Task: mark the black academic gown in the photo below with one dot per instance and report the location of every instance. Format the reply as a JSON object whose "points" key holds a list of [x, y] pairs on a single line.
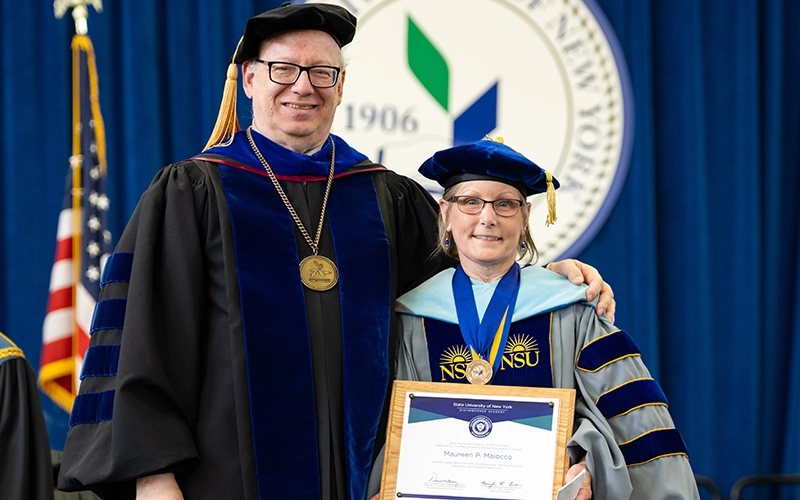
{"points": [[26, 471], [211, 361]]}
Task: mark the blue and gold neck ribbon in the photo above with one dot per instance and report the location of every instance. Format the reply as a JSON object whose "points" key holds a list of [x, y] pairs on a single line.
{"points": [[486, 338]]}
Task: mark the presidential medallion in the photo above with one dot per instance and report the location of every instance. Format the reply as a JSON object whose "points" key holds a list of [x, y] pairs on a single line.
{"points": [[318, 273], [479, 371]]}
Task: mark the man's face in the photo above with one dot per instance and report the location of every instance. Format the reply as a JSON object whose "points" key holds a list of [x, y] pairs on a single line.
{"points": [[297, 116]]}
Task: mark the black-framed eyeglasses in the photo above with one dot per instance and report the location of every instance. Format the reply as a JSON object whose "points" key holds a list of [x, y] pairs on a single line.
{"points": [[286, 73], [472, 205]]}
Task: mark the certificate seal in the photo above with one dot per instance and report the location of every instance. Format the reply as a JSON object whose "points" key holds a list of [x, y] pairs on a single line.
{"points": [[480, 426]]}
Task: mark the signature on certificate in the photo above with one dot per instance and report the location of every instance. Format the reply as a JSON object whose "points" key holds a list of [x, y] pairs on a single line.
{"points": [[443, 484], [434, 479], [501, 485]]}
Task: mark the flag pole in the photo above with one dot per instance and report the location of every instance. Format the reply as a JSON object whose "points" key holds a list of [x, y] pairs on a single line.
{"points": [[81, 44]]}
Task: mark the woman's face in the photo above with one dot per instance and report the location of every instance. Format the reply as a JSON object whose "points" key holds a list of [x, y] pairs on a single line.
{"points": [[487, 242]]}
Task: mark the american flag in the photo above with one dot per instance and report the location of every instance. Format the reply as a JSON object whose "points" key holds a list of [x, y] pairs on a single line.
{"points": [[83, 242]]}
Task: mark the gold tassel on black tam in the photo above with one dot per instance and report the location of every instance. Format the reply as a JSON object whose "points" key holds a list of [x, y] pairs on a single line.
{"points": [[227, 120]]}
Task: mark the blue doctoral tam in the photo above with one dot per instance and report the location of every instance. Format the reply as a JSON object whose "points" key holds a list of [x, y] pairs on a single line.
{"points": [[486, 160]]}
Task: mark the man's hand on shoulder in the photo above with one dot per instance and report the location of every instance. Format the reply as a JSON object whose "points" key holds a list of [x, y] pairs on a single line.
{"points": [[578, 272]]}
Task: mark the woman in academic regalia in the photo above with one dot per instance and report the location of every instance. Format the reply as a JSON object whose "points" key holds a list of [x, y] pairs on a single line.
{"points": [[492, 321]]}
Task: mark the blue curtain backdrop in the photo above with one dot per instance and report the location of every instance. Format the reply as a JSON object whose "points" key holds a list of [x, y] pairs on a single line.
{"points": [[702, 247]]}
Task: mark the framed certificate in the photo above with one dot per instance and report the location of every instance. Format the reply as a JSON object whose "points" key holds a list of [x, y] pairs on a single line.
{"points": [[478, 442]]}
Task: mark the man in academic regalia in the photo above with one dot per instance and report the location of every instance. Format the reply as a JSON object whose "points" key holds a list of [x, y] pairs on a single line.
{"points": [[243, 346]]}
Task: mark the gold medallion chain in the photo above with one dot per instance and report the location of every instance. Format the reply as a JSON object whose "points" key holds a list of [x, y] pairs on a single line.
{"points": [[314, 244]]}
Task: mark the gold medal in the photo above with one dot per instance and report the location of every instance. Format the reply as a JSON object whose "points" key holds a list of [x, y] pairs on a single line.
{"points": [[479, 371], [318, 273]]}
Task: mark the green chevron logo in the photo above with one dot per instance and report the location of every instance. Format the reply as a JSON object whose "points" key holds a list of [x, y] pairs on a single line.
{"points": [[430, 68]]}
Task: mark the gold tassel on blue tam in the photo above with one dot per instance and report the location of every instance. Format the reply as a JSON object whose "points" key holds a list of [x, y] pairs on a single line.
{"points": [[551, 200]]}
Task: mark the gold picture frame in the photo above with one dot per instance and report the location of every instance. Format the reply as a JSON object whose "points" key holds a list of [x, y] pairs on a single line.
{"points": [[403, 391]]}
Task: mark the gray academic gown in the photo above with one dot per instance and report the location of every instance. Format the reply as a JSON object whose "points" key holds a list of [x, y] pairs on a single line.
{"points": [[588, 354]]}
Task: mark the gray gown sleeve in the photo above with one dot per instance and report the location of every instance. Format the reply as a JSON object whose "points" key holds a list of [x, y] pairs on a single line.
{"points": [[578, 332]]}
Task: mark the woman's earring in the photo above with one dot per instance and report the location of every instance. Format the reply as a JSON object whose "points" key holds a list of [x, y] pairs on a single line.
{"points": [[446, 243], [522, 247]]}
